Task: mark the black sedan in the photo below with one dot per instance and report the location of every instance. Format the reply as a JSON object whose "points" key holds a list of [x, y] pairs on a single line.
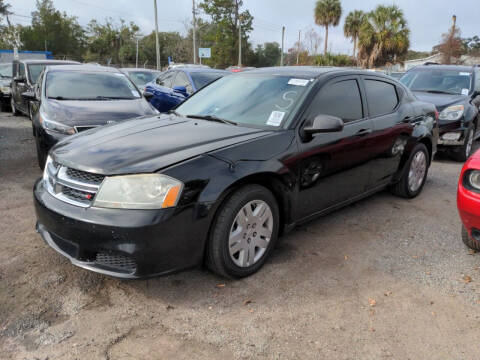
{"points": [[72, 99], [239, 163]]}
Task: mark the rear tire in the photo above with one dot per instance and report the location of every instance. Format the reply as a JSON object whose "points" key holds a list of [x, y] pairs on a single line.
{"points": [[469, 241], [461, 153], [405, 187], [248, 221]]}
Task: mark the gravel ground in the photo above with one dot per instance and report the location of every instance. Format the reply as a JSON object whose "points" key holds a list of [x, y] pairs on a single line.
{"points": [[381, 279]]}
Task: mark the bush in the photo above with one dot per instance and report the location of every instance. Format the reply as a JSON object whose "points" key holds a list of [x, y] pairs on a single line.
{"points": [[334, 60]]}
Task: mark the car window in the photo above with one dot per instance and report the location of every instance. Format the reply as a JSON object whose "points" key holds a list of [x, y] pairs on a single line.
{"points": [[381, 97], [5, 70], [21, 69], [202, 79], [167, 79], [140, 78], [34, 71], [341, 99], [182, 80], [477, 80], [449, 81]]}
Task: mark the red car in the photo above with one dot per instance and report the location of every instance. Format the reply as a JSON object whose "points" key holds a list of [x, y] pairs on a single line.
{"points": [[468, 201]]}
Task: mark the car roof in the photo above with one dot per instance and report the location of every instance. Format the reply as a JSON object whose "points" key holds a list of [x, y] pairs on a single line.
{"points": [[45, 61], [444, 67], [139, 69], [312, 71], [198, 69], [84, 68]]}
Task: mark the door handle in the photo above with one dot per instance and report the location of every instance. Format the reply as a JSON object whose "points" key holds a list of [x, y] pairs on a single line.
{"points": [[363, 132]]}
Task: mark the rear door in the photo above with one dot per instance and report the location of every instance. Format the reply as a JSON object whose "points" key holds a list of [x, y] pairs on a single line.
{"points": [[164, 98], [335, 167], [392, 121]]}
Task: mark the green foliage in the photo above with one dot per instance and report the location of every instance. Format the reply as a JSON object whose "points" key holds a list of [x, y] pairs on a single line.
{"points": [[351, 28], [412, 54], [268, 54], [327, 12], [54, 30], [172, 44], [223, 37], [334, 60], [383, 37]]}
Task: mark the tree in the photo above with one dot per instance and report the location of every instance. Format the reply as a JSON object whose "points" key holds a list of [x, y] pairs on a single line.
{"points": [[351, 28], [327, 12], [266, 55], [172, 45], [472, 45], [4, 9], [226, 16], [384, 37], [54, 31], [312, 41], [451, 46]]}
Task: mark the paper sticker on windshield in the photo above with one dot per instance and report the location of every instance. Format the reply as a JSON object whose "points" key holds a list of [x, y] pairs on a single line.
{"points": [[464, 91], [275, 118], [464, 74], [298, 82]]}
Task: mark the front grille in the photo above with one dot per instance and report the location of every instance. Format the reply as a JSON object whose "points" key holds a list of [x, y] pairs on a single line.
{"points": [[119, 262], [83, 176], [71, 185]]}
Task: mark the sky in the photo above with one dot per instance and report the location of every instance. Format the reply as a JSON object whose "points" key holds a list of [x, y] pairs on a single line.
{"points": [[427, 19]]}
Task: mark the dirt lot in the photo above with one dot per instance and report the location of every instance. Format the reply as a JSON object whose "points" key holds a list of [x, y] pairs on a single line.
{"points": [[385, 278]]}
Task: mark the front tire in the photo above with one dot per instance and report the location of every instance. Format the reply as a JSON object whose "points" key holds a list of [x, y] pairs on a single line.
{"points": [[244, 232], [470, 241], [413, 179], [41, 154], [15, 112], [462, 153]]}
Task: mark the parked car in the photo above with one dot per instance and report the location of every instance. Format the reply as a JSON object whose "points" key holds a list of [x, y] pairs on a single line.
{"points": [[174, 86], [76, 98], [236, 69], [181, 65], [5, 80], [229, 170], [25, 74], [141, 76], [396, 75], [455, 90], [468, 201]]}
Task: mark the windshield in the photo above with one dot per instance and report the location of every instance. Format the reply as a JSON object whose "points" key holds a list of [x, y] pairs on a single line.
{"points": [[140, 78], [438, 80], [6, 70], [248, 99], [77, 85], [202, 79], [34, 72]]}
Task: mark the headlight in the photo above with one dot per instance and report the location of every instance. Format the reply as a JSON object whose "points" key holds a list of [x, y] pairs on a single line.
{"points": [[5, 89], [452, 113], [474, 179], [55, 126], [147, 191]]}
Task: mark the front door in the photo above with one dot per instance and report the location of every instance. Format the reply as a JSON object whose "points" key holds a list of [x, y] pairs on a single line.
{"points": [[334, 168]]}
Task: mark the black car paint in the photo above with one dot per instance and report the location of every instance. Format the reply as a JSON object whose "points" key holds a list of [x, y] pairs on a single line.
{"points": [[22, 84], [308, 176], [81, 113]]}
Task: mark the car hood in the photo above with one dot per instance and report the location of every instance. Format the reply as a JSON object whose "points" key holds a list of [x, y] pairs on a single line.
{"points": [[96, 112], [148, 144], [441, 101]]}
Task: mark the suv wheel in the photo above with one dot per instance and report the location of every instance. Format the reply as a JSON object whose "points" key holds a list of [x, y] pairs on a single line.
{"points": [[30, 112], [15, 112], [413, 179], [41, 154], [244, 232], [462, 153]]}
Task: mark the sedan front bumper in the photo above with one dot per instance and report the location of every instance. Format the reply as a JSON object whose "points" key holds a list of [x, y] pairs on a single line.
{"points": [[119, 242]]}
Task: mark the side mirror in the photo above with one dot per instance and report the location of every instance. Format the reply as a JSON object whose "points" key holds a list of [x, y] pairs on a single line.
{"points": [[29, 96], [148, 95], [19, 79], [180, 89], [324, 124]]}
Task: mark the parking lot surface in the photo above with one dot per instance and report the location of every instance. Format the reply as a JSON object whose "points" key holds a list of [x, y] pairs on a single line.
{"points": [[385, 278]]}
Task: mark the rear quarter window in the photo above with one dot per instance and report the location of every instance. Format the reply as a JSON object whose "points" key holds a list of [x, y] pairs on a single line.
{"points": [[382, 97]]}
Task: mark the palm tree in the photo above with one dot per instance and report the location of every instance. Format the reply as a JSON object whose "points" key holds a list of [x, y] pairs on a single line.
{"points": [[351, 28], [383, 37], [327, 12]]}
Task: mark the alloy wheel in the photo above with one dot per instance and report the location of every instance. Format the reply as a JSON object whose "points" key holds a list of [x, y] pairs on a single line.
{"points": [[250, 233], [416, 174]]}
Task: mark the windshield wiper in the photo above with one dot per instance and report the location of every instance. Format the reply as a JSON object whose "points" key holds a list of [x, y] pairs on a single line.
{"points": [[100, 97], [174, 112], [438, 92], [212, 118]]}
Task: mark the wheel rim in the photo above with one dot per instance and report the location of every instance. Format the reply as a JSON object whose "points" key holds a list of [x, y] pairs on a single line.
{"points": [[469, 143], [418, 168], [30, 112], [250, 233]]}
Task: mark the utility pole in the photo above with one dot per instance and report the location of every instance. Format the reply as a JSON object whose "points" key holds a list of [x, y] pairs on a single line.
{"points": [[298, 50], [194, 32], [239, 42], [283, 41], [136, 57], [157, 44]]}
